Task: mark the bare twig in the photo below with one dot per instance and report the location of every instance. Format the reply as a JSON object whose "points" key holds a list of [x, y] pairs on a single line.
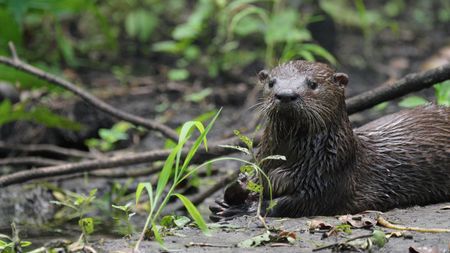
{"points": [[135, 172], [342, 243], [410, 83], [89, 98], [382, 222], [72, 168], [30, 160], [46, 148]]}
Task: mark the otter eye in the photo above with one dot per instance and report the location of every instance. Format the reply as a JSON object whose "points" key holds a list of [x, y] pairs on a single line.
{"points": [[311, 84], [272, 83]]}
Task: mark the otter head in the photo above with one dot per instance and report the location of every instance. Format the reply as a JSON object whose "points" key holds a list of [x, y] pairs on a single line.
{"points": [[303, 95]]}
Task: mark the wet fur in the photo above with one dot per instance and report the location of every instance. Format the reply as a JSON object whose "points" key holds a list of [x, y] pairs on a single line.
{"points": [[398, 160]]}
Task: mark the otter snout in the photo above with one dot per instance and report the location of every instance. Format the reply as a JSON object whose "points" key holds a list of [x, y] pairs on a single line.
{"points": [[286, 95]]}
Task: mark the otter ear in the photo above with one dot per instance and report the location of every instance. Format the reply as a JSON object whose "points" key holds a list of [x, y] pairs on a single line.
{"points": [[341, 79], [263, 75]]}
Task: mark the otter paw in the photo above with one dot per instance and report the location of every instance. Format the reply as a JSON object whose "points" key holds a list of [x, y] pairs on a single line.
{"points": [[221, 211]]}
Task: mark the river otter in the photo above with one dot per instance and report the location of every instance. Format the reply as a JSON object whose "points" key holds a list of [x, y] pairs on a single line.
{"points": [[398, 160]]}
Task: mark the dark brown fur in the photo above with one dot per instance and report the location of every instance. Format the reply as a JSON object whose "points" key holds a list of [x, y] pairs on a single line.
{"points": [[398, 160]]}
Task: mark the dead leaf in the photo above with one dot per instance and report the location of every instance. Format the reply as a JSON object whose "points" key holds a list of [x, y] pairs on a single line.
{"points": [[358, 221], [288, 236], [318, 225]]}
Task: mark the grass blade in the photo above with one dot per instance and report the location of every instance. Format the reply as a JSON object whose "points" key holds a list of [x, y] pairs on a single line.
{"points": [[199, 140], [195, 214], [166, 172], [140, 188]]}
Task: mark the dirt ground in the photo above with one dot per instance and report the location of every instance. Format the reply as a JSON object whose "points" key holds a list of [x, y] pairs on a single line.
{"points": [[227, 238]]}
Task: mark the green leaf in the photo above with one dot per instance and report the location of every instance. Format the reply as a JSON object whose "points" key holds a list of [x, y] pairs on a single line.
{"points": [[166, 172], [140, 188], [378, 238], [320, 51], [412, 101], [181, 221], [87, 225], [178, 74], [199, 140], [192, 28], [92, 193], [140, 24], [255, 241], [247, 141], [250, 10], [64, 204], [25, 243], [442, 93], [254, 187], [5, 237], [346, 228], [274, 157], [184, 132], [247, 168], [281, 26], [242, 149], [381, 106], [197, 97], [195, 214], [157, 235], [167, 221], [169, 46]]}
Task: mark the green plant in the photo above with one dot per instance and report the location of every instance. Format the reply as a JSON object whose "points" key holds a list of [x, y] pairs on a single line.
{"points": [[51, 18], [283, 29], [175, 170], [254, 171], [80, 203], [233, 31], [12, 244], [42, 115], [441, 93], [122, 218], [109, 137], [354, 13]]}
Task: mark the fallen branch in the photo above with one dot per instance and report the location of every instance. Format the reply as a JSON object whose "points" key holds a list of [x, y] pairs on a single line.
{"points": [[335, 245], [410, 83], [72, 168], [29, 160], [47, 148], [121, 173], [89, 98], [384, 223]]}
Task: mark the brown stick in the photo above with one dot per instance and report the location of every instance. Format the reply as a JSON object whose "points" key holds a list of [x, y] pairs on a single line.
{"points": [[89, 98], [382, 222], [410, 83], [72, 168], [47, 148], [30, 160], [135, 172]]}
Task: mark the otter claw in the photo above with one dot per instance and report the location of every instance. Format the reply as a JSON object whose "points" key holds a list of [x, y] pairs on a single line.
{"points": [[222, 203]]}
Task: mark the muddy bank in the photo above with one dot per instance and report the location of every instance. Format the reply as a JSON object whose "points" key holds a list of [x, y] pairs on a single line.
{"points": [[232, 233]]}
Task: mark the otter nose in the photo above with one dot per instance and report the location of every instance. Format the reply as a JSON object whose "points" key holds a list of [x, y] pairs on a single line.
{"points": [[286, 96]]}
